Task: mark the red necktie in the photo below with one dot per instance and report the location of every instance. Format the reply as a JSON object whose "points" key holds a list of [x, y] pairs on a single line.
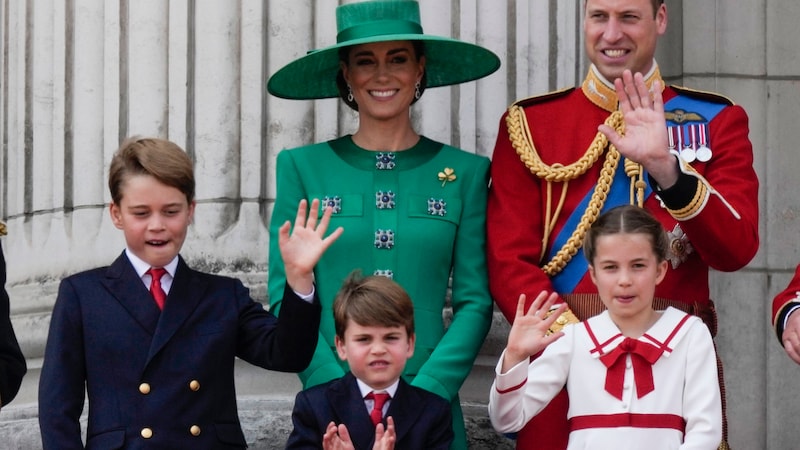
{"points": [[643, 355], [377, 408], [155, 285]]}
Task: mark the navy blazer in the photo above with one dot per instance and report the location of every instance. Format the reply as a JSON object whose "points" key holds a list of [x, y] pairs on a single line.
{"points": [[12, 362], [160, 379], [422, 420]]}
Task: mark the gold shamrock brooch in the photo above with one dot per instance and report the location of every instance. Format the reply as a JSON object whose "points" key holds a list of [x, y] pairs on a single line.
{"points": [[447, 175]]}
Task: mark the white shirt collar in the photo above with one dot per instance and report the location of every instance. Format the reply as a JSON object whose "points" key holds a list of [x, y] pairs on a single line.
{"points": [[141, 267], [365, 389]]}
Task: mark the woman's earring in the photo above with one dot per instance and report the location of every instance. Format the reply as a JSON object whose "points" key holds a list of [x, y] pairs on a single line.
{"points": [[349, 94], [417, 93]]}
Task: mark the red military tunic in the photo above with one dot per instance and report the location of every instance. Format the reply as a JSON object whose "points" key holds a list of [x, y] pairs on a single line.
{"points": [[711, 212]]}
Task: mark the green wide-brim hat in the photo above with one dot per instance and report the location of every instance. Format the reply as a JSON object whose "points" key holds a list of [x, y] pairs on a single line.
{"points": [[448, 61]]}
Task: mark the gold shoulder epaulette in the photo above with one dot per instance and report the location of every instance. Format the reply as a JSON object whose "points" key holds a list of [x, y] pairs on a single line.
{"points": [[542, 97], [566, 318], [704, 95], [3, 229]]}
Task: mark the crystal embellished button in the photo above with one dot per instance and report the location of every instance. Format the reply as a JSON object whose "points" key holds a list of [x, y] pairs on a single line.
{"points": [[384, 160], [384, 239], [333, 202], [384, 200], [437, 207], [384, 273]]}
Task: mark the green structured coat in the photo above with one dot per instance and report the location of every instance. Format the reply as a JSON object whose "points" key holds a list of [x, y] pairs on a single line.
{"points": [[414, 215]]}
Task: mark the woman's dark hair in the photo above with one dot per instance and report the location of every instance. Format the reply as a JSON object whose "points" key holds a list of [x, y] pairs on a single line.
{"points": [[344, 56], [626, 219]]}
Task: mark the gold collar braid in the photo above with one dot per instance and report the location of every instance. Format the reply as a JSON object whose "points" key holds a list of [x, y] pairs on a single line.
{"points": [[520, 136], [602, 93]]}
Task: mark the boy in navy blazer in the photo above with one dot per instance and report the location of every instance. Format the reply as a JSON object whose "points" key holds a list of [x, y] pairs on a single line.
{"points": [[374, 321], [158, 366]]}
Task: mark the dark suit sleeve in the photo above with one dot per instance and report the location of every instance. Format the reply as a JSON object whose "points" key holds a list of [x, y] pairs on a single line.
{"points": [[285, 343], [306, 431], [12, 362], [441, 429], [63, 377]]}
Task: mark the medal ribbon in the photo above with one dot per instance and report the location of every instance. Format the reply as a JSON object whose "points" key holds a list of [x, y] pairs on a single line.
{"points": [[671, 135], [701, 129]]}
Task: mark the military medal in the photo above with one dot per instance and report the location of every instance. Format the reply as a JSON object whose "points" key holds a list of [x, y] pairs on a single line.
{"points": [[687, 152], [703, 151], [679, 247]]}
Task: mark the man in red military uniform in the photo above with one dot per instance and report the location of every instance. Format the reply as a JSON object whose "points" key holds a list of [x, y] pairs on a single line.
{"points": [[621, 137], [787, 324]]}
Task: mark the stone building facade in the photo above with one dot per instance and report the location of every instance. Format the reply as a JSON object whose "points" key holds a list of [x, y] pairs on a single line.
{"points": [[76, 76]]}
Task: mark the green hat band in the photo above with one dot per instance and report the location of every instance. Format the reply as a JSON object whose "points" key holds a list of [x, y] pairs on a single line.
{"points": [[378, 28]]}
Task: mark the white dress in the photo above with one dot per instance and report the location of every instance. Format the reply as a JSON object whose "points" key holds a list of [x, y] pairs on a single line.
{"points": [[681, 410]]}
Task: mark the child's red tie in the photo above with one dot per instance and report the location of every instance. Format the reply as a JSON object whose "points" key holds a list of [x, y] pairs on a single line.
{"points": [[377, 409], [155, 285]]}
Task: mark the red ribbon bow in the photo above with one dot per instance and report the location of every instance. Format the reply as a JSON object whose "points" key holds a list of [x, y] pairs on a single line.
{"points": [[643, 355]]}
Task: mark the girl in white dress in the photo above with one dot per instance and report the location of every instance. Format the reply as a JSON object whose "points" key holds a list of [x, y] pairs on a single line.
{"points": [[636, 377]]}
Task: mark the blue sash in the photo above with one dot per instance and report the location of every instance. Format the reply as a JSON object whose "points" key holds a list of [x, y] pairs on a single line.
{"points": [[565, 281]]}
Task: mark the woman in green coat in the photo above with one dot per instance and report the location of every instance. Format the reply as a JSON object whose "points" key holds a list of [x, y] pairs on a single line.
{"points": [[412, 209]]}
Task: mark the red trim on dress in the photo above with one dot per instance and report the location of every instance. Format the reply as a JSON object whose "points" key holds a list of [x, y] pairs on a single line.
{"points": [[512, 388], [627, 420]]}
